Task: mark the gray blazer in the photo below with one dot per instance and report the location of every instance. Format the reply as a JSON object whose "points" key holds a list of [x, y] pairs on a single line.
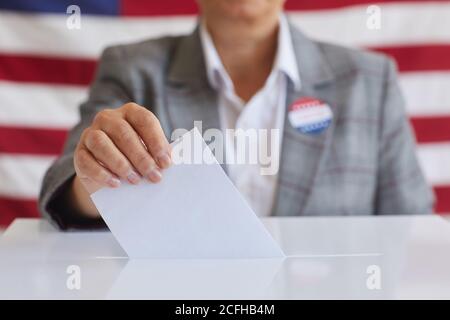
{"points": [[363, 164]]}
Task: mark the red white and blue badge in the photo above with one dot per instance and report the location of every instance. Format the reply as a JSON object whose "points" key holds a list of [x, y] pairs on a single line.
{"points": [[310, 115]]}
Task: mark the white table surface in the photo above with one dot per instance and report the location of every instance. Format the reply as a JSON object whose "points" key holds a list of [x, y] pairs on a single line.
{"points": [[328, 259]]}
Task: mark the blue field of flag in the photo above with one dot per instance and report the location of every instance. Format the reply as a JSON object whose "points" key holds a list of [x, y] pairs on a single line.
{"points": [[95, 7]]}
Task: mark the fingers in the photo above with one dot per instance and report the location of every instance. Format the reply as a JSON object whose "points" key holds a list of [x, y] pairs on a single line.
{"points": [[105, 152], [126, 143], [130, 144], [88, 168], [149, 129]]}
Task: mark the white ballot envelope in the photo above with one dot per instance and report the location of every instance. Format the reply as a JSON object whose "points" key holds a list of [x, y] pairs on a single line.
{"points": [[194, 212]]}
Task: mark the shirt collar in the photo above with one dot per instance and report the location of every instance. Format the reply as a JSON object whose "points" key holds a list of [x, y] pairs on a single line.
{"points": [[285, 59]]}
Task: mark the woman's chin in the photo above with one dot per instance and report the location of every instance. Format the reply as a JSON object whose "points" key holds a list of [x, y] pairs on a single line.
{"points": [[247, 9]]}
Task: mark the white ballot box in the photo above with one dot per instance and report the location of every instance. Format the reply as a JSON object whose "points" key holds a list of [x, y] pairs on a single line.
{"points": [[376, 257]]}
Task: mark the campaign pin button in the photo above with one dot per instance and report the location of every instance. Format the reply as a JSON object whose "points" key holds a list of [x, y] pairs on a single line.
{"points": [[310, 115]]}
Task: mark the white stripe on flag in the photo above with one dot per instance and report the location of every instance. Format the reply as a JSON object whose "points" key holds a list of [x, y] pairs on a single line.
{"points": [[426, 93], [36, 33], [37, 105], [24, 104], [21, 176], [435, 159], [401, 23]]}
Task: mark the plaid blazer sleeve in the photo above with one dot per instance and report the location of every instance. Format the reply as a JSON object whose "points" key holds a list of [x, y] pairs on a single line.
{"points": [[401, 187]]}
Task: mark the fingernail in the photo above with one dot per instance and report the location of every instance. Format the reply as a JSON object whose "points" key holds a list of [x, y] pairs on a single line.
{"points": [[164, 160], [154, 175], [114, 182], [133, 177]]}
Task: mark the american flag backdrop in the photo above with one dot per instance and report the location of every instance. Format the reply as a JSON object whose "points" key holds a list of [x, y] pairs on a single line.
{"points": [[46, 68]]}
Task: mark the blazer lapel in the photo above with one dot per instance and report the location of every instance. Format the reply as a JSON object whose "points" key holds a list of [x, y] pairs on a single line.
{"points": [[190, 100], [302, 154], [189, 97]]}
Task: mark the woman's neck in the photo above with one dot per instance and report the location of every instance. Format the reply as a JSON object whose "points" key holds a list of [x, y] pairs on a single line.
{"points": [[247, 50]]}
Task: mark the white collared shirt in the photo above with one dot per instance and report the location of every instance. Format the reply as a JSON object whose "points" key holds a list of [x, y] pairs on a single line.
{"points": [[265, 110]]}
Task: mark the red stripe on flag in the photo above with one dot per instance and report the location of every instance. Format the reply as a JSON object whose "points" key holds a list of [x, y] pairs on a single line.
{"points": [[77, 71], [431, 129], [443, 199], [158, 8], [11, 208], [32, 140], [43, 141], [189, 7], [336, 4], [53, 70], [432, 57]]}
